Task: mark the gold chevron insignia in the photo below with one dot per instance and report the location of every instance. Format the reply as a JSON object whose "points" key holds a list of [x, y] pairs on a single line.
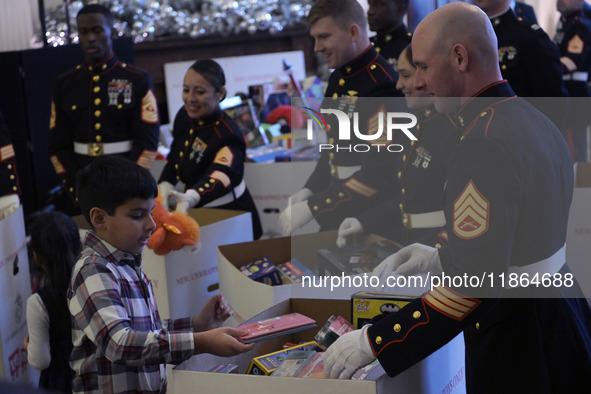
{"points": [[471, 213]]}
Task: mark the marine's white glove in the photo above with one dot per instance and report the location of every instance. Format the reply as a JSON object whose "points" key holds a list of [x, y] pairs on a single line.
{"points": [[294, 217], [8, 204], [186, 200], [165, 189], [300, 196], [349, 226], [413, 259], [347, 354]]}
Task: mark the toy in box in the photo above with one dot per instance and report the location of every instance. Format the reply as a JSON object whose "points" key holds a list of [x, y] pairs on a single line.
{"points": [[267, 363], [264, 271], [293, 270], [366, 305], [355, 259]]}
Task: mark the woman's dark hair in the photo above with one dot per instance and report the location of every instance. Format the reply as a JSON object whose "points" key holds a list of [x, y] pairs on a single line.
{"points": [[56, 241], [211, 71], [408, 54]]}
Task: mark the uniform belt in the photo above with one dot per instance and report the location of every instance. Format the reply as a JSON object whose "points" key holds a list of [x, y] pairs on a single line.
{"points": [[576, 76], [423, 220], [550, 266], [344, 172], [228, 197], [102, 148]]}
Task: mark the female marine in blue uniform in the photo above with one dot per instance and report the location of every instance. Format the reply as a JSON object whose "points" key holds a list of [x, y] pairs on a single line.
{"points": [[415, 214], [208, 149]]}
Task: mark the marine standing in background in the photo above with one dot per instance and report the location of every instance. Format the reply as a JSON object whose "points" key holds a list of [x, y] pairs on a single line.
{"points": [[338, 182], [385, 17], [102, 107], [574, 40]]}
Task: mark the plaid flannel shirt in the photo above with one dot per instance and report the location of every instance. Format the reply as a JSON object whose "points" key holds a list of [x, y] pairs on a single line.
{"points": [[120, 343]]}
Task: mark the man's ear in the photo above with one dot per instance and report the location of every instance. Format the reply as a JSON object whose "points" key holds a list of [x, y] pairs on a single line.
{"points": [[98, 218], [354, 31], [460, 54]]}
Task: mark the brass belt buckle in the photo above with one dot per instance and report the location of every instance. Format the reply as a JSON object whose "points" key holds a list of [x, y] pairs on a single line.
{"points": [[406, 220], [95, 149]]}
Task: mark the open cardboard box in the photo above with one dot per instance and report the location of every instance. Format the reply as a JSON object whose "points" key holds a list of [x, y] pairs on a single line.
{"points": [[248, 297], [184, 281], [432, 375], [578, 236]]}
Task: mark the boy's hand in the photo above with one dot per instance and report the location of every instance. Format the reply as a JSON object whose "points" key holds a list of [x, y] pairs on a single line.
{"points": [[213, 314], [224, 341]]}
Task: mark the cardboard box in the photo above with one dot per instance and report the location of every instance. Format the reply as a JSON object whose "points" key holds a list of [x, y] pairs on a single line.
{"points": [[432, 375], [15, 289], [578, 237], [271, 185], [184, 281], [249, 298]]}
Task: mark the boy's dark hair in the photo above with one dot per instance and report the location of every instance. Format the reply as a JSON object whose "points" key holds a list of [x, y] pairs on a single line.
{"points": [[344, 12], [96, 9], [110, 181], [56, 241]]}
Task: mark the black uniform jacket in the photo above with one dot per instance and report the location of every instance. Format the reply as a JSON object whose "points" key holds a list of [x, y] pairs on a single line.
{"points": [[508, 193]]}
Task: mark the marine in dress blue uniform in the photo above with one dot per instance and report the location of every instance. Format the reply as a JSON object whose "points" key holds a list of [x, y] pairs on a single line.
{"points": [[103, 109], [508, 193], [574, 40], [208, 156], [529, 59], [345, 182], [390, 44], [416, 214], [9, 182]]}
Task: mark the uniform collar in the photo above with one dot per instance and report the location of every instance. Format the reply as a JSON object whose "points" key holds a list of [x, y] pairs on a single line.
{"points": [[209, 119], [399, 31], [102, 66], [575, 15], [489, 95], [360, 62], [504, 18]]}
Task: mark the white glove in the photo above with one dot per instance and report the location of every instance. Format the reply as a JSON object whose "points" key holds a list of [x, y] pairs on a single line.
{"points": [[347, 354], [8, 204], [413, 259], [186, 200], [300, 196], [349, 226], [294, 217], [165, 189]]}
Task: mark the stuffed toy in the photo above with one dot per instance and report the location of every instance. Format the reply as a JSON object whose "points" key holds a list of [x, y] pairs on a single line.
{"points": [[174, 230]]}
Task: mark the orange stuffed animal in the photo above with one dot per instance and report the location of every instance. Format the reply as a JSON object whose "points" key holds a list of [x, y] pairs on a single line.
{"points": [[174, 230]]}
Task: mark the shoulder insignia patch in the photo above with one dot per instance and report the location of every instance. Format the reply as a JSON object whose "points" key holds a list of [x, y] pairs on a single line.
{"points": [[360, 187], [149, 108], [471, 213], [53, 116], [224, 157], [575, 45], [373, 126], [450, 303], [57, 165], [6, 152]]}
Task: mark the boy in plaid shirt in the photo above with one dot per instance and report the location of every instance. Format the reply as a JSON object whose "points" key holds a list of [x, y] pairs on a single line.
{"points": [[120, 343]]}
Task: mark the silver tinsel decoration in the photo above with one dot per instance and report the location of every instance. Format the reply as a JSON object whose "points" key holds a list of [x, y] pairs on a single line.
{"points": [[152, 19]]}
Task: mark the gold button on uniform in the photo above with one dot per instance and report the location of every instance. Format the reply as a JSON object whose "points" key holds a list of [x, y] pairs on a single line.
{"points": [[378, 340], [96, 89], [331, 155], [200, 189], [416, 314], [211, 180], [186, 143], [477, 326], [401, 206], [181, 154], [74, 107], [412, 143], [331, 140], [403, 157], [335, 96], [97, 101], [11, 177], [96, 78], [341, 194], [437, 245], [341, 82], [97, 113], [123, 65], [399, 174], [9, 166], [315, 207], [403, 191], [14, 188], [97, 126], [98, 138], [373, 67], [191, 131], [201, 123], [397, 327], [328, 200], [104, 67], [176, 166], [504, 67], [71, 190], [119, 106], [206, 185]]}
